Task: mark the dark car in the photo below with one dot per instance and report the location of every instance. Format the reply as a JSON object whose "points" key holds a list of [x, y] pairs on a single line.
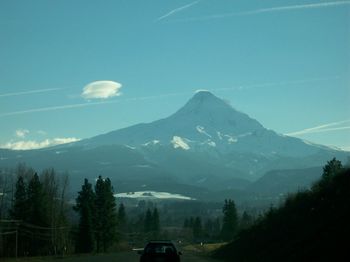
{"points": [[160, 251]]}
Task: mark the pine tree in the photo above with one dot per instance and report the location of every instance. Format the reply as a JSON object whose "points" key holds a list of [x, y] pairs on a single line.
{"points": [[332, 168], [230, 220], [121, 218], [85, 207], [19, 210], [155, 222], [197, 228], [37, 203], [38, 215], [246, 221], [148, 221], [186, 223], [106, 215]]}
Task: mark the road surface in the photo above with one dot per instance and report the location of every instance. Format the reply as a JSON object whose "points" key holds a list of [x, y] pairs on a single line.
{"points": [[126, 256], [132, 256]]}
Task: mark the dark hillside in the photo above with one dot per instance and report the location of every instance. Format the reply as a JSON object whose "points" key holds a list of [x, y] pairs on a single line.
{"points": [[311, 225]]}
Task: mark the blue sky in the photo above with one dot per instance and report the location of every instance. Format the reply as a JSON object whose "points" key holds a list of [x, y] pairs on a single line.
{"points": [[285, 63]]}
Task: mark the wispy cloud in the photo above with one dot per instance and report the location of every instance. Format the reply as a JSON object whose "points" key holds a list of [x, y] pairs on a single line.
{"points": [[334, 126], [101, 90], [176, 10], [30, 92], [267, 10], [32, 144]]}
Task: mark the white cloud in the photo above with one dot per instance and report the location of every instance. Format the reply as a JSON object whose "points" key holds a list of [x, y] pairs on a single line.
{"points": [[31, 144], [21, 133], [101, 89]]}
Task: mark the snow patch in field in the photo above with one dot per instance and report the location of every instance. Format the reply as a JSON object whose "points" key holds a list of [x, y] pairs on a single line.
{"points": [[152, 195]]}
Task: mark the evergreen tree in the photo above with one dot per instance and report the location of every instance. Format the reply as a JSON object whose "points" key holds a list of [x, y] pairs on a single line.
{"points": [[38, 215], [197, 228], [331, 168], [246, 221], [85, 208], [148, 221], [186, 223], [37, 203], [122, 222], [106, 215], [155, 221], [230, 220], [19, 210]]}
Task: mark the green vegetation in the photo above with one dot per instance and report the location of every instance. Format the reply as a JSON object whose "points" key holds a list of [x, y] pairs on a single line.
{"points": [[39, 218], [230, 220], [311, 225]]}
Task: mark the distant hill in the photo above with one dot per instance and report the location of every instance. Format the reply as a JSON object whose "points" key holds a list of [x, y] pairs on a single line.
{"points": [[310, 226], [277, 182]]}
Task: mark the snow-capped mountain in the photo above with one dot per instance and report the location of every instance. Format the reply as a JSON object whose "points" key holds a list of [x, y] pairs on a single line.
{"points": [[207, 123], [205, 144]]}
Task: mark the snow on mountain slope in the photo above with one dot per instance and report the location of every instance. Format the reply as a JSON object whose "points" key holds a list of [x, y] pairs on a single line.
{"points": [[206, 122]]}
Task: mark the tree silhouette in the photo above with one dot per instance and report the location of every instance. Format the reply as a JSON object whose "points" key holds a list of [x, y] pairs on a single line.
{"points": [[105, 214], [85, 207], [230, 220]]}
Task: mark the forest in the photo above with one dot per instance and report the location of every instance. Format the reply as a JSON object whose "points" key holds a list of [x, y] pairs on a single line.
{"points": [[311, 225], [40, 216]]}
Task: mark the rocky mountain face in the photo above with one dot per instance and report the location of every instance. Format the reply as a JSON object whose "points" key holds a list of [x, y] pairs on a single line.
{"points": [[206, 144]]}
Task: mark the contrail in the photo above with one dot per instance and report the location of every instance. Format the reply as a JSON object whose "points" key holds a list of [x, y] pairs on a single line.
{"points": [[63, 107], [176, 10], [53, 108], [321, 128], [265, 10], [30, 92], [281, 83]]}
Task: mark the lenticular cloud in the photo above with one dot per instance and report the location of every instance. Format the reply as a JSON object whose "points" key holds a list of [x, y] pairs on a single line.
{"points": [[101, 90]]}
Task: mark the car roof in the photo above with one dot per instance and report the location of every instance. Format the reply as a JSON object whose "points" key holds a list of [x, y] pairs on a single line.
{"points": [[161, 241]]}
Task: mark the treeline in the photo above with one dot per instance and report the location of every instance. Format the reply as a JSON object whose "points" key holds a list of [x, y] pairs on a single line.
{"points": [[37, 215], [311, 225], [37, 219], [218, 229]]}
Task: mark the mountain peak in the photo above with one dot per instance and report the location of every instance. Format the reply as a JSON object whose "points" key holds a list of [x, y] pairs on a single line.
{"points": [[204, 95], [204, 101]]}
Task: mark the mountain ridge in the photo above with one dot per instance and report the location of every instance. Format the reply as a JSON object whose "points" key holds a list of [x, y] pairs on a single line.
{"points": [[206, 143]]}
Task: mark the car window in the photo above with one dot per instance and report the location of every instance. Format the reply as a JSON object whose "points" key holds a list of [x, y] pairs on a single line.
{"points": [[160, 249]]}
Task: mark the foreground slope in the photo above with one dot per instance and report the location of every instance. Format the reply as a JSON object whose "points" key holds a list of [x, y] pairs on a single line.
{"points": [[310, 226]]}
